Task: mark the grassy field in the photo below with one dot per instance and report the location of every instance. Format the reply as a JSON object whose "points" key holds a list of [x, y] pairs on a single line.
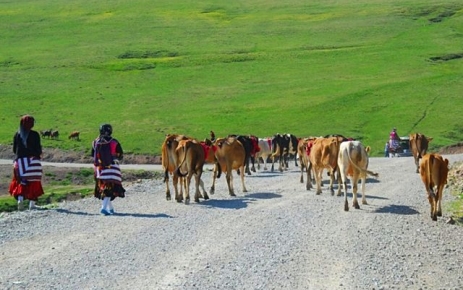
{"points": [[262, 67]]}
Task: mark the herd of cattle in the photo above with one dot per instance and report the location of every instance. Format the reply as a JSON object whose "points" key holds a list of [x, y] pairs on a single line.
{"points": [[184, 157], [54, 134]]}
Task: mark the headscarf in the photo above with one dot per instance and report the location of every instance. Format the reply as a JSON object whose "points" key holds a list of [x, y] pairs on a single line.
{"points": [[25, 125]]}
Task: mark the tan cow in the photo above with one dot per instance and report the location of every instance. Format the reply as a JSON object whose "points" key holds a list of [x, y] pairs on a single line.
{"points": [[230, 155], [418, 145], [324, 155], [170, 162], [192, 155], [265, 145], [434, 170], [74, 135], [353, 162], [304, 147]]}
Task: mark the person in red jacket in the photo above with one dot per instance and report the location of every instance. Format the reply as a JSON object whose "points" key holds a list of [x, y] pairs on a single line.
{"points": [[27, 168]]}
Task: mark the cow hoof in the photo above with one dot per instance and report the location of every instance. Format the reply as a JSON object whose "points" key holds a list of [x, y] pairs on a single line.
{"points": [[168, 198], [232, 194], [364, 202], [206, 197], [439, 213], [346, 207], [356, 206], [197, 200]]}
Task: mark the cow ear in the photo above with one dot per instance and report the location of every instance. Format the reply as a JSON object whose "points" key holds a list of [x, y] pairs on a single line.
{"points": [[430, 139], [367, 149]]}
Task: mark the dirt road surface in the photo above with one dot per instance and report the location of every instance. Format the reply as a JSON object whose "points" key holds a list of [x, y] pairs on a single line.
{"points": [[276, 236]]}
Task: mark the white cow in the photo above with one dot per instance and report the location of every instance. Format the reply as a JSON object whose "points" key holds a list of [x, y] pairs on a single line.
{"points": [[353, 162]]}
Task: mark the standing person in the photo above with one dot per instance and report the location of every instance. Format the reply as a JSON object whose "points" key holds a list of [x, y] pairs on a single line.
{"points": [[386, 150], [107, 152], [27, 169], [394, 139]]}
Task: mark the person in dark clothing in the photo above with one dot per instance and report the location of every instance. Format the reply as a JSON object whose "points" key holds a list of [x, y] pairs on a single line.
{"points": [[107, 153], [27, 169]]}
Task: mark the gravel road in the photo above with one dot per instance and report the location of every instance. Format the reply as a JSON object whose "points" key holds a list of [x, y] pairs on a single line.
{"points": [[276, 236]]}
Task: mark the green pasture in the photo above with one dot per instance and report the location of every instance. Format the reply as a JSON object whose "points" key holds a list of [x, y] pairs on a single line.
{"points": [[310, 68]]}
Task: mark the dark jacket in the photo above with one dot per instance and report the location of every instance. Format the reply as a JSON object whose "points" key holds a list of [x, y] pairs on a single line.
{"points": [[33, 149]]}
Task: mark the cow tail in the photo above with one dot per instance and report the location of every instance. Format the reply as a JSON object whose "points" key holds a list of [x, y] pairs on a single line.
{"points": [[428, 171], [371, 173], [178, 171]]}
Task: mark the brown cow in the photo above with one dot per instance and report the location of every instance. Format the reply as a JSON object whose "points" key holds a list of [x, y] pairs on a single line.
{"points": [[304, 147], [418, 146], [74, 135], [324, 154], [192, 155], [353, 162], [230, 155], [170, 162], [434, 170]]}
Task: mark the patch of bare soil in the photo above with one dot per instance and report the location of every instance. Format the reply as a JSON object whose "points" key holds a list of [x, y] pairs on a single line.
{"points": [[54, 174], [64, 156]]}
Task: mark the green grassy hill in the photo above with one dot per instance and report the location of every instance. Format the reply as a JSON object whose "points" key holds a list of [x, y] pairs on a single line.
{"points": [[355, 68]]}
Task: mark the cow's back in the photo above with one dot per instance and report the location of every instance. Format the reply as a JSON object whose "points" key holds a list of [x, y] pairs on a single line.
{"points": [[230, 151], [169, 158], [434, 170]]}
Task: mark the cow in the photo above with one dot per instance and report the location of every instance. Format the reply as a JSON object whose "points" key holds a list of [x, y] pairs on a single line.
{"points": [[303, 150], [434, 170], [251, 147], [265, 151], [170, 162], [353, 162], [324, 155], [74, 135], [192, 154], [229, 155], [45, 133], [418, 145], [54, 134], [284, 145]]}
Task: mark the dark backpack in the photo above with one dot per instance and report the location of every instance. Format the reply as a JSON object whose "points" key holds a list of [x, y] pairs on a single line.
{"points": [[102, 153]]}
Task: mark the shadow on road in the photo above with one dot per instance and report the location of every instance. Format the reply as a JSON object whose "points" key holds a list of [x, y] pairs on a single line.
{"points": [[226, 203], [117, 214], [263, 195], [396, 209]]}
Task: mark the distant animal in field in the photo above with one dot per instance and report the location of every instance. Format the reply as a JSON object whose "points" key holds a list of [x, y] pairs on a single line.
{"points": [[434, 170], [74, 135], [54, 134], [45, 133]]}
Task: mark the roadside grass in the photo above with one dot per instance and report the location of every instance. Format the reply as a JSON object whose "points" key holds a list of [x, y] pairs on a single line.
{"points": [[259, 67], [455, 188], [70, 185], [456, 207]]}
